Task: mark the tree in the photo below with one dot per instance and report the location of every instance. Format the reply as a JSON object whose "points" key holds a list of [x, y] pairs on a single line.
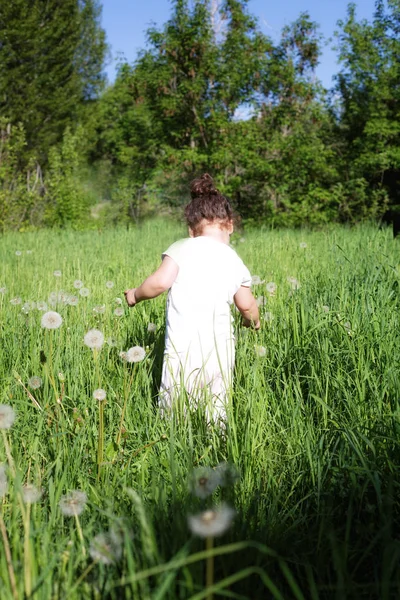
{"points": [[51, 66]]}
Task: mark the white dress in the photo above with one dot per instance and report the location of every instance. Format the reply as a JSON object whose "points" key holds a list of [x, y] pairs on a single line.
{"points": [[199, 342]]}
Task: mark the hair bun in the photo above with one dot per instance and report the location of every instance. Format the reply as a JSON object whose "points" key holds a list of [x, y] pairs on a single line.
{"points": [[203, 186]]}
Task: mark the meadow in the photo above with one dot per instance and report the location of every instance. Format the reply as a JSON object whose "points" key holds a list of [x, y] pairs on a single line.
{"points": [[98, 490]]}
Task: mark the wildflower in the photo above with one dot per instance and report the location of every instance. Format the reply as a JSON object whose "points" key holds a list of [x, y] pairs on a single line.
{"points": [[57, 273], [325, 308], [268, 316], [15, 301], [111, 341], [41, 305], [73, 300], [106, 548], [109, 285], [260, 351], [3, 290], [62, 297], [18, 253], [302, 245], [31, 494], [73, 504], [204, 481], [94, 339], [51, 320], [25, 308], [294, 283], [211, 523], [78, 284], [84, 292], [151, 327], [3, 481], [271, 288], [99, 309], [255, 280], [118, 301], [99, 394], [135, 354], [7, 416], [119, 311], [123, 355], [35, 382]]}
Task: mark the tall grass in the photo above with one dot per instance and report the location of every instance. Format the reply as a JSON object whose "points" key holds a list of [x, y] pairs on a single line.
{"points": [[313, 426]]}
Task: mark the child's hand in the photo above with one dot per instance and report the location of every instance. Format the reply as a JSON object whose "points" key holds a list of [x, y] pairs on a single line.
{"points": [[130, 297], [254, 325]]}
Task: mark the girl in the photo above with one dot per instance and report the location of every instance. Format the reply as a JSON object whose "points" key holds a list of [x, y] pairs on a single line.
{"points": [[204, 276]]}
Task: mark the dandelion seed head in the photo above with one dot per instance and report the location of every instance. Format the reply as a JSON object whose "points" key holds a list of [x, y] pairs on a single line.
{"points": [[268, 316], [73, 504], [3, 480], [18, 253], [15, 301], [271, 288], [135, 354], [151, 327], [35, 382], [3, 290], [204, 481], [7, 416], [73, 301], [84, 292], [325, 308], [78, 284], [118, 301], [123, 355], [57, 273], [119, 311], [99, 309], [31, 493], [99, 394], [51, 320], [41, 305], [260, 301], [94, 339], [111, 342], [261, 351], [106, 548], [302, 245], [212, 523], [29, 251], [255, 280], [294, 283], [109, 285]]}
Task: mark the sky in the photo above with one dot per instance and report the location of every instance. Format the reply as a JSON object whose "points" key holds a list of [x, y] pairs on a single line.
{"points": [[126, 22]]}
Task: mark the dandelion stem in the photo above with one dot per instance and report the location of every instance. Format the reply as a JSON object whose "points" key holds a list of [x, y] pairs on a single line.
{"points": [[7, 553], [27, 553], [8, 453], [209, 566], [100, 449], [80, 534], [126, 393]]}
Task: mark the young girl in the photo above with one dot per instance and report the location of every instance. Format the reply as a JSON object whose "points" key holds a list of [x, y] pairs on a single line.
{"points": [[204, 276]]}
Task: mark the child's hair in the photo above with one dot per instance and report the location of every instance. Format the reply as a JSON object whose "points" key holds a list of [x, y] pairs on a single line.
{"points": [[207, 204]]}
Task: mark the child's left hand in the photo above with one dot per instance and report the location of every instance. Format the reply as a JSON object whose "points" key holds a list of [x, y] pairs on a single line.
{"points": [[130, 297]]}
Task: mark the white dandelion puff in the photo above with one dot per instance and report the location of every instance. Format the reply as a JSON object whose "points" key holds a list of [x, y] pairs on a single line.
{"points": [[326, 308], [3, 290], [123, 355], [99, 309], [204, 481], [78, 284], [3, 481], [118, 301], [294, 283], [35, 382], [25, 308], [271, 288], [99, 394], [261, 351], [51, 320], [302, 245], [73, 301], [212, 523], [29, 251], [18, 253], [109, 285], [84, 292], [260, 301], [111, 342], [41, 305], [268, 316], [73, 504], [7, 416], [119, 311], [57, 273], [151, 327], [94, 339], [256, 280], [135, 354], [15, 301], [106, 548], [31, 493]]}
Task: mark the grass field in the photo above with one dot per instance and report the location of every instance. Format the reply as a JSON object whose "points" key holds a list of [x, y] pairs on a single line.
{"points": [[310, 458]]}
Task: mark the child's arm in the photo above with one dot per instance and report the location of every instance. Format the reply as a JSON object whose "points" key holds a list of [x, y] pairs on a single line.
{"points": [[247, 306], [157, 283]]}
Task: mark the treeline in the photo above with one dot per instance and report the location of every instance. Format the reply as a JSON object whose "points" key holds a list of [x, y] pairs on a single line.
{"points": [[210, 92]]}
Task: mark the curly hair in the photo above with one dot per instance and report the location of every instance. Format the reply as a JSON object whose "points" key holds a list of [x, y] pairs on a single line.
{"points": [[207, 204]]}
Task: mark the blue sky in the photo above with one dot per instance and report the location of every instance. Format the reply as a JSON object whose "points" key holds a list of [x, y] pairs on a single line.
{"points": [[126, 21]]}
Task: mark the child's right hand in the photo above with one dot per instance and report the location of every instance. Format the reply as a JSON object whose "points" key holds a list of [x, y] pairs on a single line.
{"points": [[130, 297]]}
